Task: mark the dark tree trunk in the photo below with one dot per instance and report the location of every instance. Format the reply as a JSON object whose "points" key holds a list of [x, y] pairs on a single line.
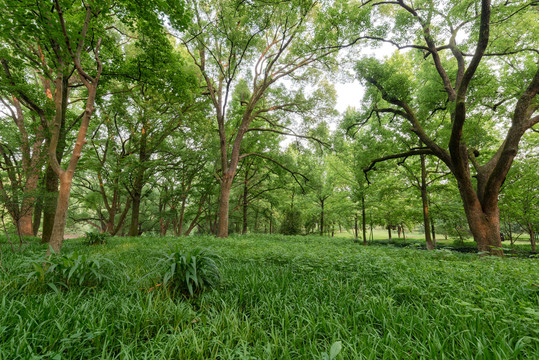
{"points": [[136, 195], [532, 236], [245, 200], [51, 178], [433, 232], [389, 231], [364, 220], [425, 200], [322, 217], [49, 203], [356, 229], [38, 210]]}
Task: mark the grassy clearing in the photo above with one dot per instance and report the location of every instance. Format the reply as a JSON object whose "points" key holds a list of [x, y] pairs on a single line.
{"points": [[281, 298]]}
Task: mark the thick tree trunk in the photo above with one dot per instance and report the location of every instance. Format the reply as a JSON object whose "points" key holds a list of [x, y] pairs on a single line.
{"points": [[29, 202], [389, 231], [226, 185], [485, 226], [57, 234], [134, 229], [425, 200], [135, 212], [49, 203]]}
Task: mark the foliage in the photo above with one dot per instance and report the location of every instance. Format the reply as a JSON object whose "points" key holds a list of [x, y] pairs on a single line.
{"points": [[64, 271], [292, 222], [277, 291], [190, 272], [93, 238]]}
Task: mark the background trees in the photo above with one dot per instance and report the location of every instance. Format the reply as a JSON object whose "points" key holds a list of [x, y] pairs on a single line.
{"points": [[218, 116]]}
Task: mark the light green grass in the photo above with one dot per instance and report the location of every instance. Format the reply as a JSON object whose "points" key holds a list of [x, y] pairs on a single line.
{"points": [[281, 298]]}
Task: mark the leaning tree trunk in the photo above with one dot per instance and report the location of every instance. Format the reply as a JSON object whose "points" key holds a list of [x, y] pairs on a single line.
{"points": [[66, 176]]}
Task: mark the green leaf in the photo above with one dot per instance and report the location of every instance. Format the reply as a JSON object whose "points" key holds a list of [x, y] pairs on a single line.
{"points": [[335, 350]]}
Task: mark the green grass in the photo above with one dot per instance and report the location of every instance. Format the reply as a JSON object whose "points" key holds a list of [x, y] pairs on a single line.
{"points": [[281, 298]]}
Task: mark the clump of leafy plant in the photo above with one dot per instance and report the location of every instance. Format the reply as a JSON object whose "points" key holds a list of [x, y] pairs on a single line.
{"points": [[93, 238], [189, 272], [292, 222], [62, 271]]}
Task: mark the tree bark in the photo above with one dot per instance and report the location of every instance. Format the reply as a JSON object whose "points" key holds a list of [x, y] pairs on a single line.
{"points": [[226, 185], [364, 220], [136, 195], [51, 178], [57, 234], [322, 217], [532, 236], [49, 203], [245, 201], [425, 200]]}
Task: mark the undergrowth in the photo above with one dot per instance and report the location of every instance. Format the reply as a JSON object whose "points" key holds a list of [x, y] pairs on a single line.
{"points": [[279, 298]]}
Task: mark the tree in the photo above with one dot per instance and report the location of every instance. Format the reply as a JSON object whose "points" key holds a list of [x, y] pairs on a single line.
{"points": [[264, 42], [470, 87], [64, 42]]}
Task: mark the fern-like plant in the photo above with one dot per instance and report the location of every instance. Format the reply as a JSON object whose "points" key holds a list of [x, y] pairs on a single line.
{"points": [[96, 238], [59, 271], [189, 272]]}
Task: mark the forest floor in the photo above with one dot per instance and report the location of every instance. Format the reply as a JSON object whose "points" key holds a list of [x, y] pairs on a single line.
{"points": [[280, 298]]}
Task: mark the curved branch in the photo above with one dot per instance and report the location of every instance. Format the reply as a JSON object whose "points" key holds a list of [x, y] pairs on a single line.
{"points": [[422, 151]]}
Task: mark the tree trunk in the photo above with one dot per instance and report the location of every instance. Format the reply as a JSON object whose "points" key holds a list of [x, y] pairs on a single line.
{"points": [[425, 200], [364, 220], [135, 212], [139, 184], [226, 185], [433, 232], [49, 203], [38, 210], [322, 218], [532, 236], [485, 227], [57, 234], [356, 229], [389, 231], [245, 201]]}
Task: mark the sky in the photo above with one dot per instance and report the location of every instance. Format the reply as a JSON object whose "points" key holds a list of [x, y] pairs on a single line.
{"points": [[348, 95]]}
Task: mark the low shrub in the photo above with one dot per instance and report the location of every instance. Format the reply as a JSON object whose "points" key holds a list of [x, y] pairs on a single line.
{"points": [[96, 238], [62, 271], [189, 272]]}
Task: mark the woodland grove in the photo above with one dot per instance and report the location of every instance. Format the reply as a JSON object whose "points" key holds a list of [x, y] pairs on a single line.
{"points": [[179, 117]]}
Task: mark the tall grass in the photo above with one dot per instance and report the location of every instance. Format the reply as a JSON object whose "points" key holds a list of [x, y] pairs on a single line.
{"points": [[280, 298]]}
